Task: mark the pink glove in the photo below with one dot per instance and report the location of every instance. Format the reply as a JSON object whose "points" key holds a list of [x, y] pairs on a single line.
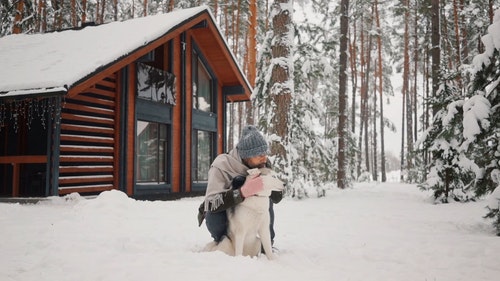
{"points": [[252, 186]]}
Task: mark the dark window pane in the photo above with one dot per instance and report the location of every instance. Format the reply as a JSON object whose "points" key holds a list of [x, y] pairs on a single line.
{"points": [[151, 152], [203, 145]]}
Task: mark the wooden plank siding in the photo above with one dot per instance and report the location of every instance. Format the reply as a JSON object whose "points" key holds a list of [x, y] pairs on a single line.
{"points": [[88, 141]]}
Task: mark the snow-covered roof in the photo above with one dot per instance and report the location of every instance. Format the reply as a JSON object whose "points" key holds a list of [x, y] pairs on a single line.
{"points": [[53, 62]]}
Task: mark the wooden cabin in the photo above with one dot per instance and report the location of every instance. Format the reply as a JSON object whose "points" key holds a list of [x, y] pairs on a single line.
{"points": [[138, 106]]}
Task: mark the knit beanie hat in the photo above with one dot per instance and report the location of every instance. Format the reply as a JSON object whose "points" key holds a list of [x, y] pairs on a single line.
{"points": [[252, 143]]}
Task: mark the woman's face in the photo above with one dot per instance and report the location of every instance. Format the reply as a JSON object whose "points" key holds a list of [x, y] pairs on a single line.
{"points": [[256, 162]]}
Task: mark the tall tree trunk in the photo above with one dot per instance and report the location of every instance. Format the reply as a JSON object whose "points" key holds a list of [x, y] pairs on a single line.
{"points": [[74, 19], [103, 10], [381, 94], [402, 155], [374, 118], [115, 10], [266, 23], [463, 33], [458, 42], [406, 92], [39, 17], [84, 11], [226, 17], [252, 55], [362, 102], [236, 34], [375, 149], [435, 50], [491, 11], [457, 33], [16, 27], [171, 6], [342, 128], [281, 77], [44, 21], [97, 5], [366, 89], [216, 7], [57, 6], [415, 74], [426, 87], [354, 77]]}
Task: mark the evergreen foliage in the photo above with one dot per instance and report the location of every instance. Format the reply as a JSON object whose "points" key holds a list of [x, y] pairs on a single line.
{"points": [[464, 137], [494, 214], [447, 176], [486, 148]]}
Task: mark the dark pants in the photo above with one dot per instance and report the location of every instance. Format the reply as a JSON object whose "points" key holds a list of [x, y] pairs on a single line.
{"points": [[217, 223]]}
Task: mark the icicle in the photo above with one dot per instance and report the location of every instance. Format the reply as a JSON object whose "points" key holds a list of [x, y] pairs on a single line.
{"points": [[14, 114], [27, 110], [3, 109], [29, 116], [43, 111]]}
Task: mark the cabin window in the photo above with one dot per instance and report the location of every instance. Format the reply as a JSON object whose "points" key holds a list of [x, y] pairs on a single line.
{"points": [[203, 148], [151, 163], [155, 84], [202, 90]]}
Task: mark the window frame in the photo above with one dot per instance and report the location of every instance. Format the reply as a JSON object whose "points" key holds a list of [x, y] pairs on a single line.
{"points": [[162, 142], [205, 121], [198, 62], [196, 156], [150, 111]]}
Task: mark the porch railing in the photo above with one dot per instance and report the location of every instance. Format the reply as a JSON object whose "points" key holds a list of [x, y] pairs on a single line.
{"points": [[16, 162]]}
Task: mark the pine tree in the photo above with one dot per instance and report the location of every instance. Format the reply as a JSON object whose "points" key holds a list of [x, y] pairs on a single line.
{"points": [[450, 174], [311, 155], [484, 144], [276, 90]]}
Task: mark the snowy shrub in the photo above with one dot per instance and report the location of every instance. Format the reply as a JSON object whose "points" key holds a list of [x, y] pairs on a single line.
{"points": [[365, 177], [301, 189], [494, 209]]}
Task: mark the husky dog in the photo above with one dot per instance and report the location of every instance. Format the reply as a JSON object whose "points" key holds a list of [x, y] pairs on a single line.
{"points": [[248, 230]]}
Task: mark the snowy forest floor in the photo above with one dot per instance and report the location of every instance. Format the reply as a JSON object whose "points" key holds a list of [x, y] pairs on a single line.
{"points": [[372, 231]]}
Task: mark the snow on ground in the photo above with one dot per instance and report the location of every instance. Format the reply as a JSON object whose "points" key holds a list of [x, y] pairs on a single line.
{"points": [[370, 232]]}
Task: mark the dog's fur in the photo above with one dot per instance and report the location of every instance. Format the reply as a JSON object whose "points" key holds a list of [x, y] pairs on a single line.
{"points": [[249, 221]]}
